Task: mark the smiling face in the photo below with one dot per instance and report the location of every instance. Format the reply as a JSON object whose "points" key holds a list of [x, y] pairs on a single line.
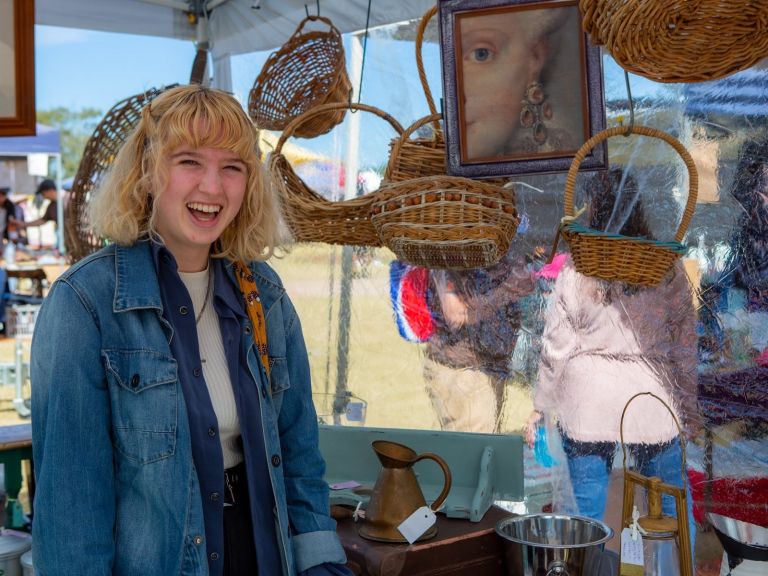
{"points": [[498, 61], [203, 194]]}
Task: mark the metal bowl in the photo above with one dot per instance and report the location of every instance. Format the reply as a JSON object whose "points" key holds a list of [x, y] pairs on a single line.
{"points": [[740, 539]]}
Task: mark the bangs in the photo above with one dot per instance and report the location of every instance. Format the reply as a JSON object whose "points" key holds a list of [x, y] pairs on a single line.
{"points": [[189, 125]]}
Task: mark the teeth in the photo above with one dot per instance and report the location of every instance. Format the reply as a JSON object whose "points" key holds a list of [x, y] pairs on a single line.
{"points": [[209, 208]]}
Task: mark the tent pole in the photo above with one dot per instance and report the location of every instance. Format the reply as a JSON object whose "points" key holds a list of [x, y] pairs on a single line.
{"points": [[59, 209]]}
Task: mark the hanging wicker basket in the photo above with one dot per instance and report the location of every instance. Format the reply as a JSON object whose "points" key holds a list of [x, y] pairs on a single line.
{"points": [[679, 40], [100, 151], [307, 71], [613, 256], [421, 156], [446, 221], [310, 216]]}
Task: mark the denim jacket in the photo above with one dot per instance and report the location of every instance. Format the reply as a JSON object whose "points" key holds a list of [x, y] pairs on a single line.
{"points": [[117, 491]]}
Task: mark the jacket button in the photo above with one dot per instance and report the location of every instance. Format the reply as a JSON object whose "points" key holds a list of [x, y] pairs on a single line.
{"points": [[196, 372], [135, 379], [213, 556], [275, 460], [214, 496], [183, 310], [247, 329], [198, 540], [212, 432]]}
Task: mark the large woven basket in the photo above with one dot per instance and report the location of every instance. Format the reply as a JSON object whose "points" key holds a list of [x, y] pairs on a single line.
{"points": [[305, 72], [310, 216], [100, 151], [615, 257], [420, 156], [446, 222], [679, 40]]}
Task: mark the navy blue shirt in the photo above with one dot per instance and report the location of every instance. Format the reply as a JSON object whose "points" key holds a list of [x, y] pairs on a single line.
{"points": [[206, 446]]}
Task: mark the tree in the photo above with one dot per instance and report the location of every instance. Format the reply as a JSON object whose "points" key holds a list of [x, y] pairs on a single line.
{"points": [[76, 127]]}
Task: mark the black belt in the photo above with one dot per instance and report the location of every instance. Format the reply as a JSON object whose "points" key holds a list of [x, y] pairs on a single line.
{"points": [[235, 482]]}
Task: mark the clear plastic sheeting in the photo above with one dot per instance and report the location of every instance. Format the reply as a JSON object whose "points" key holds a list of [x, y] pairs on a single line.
{"points": [[479, 350]]}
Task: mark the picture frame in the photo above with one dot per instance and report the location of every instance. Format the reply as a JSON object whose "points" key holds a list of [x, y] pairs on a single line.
{"points": [[17, 55], [522, 87]]}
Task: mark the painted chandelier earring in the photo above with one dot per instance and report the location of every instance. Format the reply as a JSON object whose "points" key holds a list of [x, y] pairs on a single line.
{"points": [[535, 110]]}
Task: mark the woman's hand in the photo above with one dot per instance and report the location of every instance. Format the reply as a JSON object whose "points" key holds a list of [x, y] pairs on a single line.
{"points": [[455, 310], [533, 423]]}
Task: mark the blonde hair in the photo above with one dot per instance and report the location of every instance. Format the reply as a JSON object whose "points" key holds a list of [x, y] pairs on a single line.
{"points": [[123, 210]]}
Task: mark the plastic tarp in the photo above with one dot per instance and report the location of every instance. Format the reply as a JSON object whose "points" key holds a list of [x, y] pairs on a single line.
{"points": [[47, 141]]}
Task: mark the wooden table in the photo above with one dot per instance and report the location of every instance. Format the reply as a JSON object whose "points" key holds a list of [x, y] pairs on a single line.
{"points": [[460, 547], [15, 446]]}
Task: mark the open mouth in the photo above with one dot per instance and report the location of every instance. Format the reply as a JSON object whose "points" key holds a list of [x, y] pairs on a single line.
{"points": [[204, 212]]}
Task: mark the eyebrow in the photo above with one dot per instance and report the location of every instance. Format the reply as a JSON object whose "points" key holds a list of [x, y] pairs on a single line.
{"points": [[194, 153]]}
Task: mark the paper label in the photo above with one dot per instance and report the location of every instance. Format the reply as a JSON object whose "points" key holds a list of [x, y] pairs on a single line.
{"points": [[417, 523], [632, 561]]}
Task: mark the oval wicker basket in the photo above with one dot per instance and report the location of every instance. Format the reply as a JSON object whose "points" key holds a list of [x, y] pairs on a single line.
{"points": [[421, 156], [679, 40], [613, 256], [446, 222], [307, 71], [100, 151], [310, 216]]}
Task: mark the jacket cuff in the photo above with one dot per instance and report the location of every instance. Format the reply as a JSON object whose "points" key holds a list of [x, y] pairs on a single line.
{"points": [[313, 548]]}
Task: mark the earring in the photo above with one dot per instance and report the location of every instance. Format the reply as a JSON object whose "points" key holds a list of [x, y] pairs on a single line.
{"points": [[535, 109]]}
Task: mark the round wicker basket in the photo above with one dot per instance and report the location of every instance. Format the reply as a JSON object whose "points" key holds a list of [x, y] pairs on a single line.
{"points": [[310, 216], [446, 221], [100, 151], [421, 156], [307, 71], [679, 40], [613, 256]]}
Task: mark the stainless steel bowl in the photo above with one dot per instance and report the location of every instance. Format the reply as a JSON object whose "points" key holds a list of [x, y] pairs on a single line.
{"points": [[740, 539]]}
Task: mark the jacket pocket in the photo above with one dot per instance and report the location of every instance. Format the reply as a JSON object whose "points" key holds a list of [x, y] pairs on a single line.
{"points": [[279, 381], [143, 388]]}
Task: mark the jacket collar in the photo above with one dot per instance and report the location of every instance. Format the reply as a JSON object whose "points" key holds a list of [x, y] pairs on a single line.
{"points": [[136, 283]]}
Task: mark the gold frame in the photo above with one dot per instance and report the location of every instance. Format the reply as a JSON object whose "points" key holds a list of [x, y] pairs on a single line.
{"points": [[22, 81]]}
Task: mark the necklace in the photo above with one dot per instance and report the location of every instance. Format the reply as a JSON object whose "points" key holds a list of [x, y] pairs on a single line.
{"points": [[207, 296]]}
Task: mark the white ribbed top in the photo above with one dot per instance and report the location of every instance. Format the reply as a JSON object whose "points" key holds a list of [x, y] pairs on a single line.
{"points": [[215, 368]]}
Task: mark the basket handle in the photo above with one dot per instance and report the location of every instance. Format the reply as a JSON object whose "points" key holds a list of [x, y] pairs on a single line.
{"points": [[323, 108], [677, 423], [314, 19], [420, 62], [693, 175]]}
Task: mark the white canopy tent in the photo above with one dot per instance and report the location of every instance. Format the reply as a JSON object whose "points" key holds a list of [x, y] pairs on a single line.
{"points": [[229, 26]]}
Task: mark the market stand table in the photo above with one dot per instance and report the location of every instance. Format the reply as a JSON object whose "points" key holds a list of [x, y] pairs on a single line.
{"points": [[15, 446]]}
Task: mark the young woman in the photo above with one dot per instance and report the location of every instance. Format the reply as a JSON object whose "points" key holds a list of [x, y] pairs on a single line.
{"points": [[173, 425]]}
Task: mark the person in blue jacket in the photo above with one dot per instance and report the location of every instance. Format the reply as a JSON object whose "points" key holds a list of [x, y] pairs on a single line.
{"points": [[173, 425]]}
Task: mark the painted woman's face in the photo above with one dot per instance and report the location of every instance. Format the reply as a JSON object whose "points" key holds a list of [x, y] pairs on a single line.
{"points": [[498, 61]]}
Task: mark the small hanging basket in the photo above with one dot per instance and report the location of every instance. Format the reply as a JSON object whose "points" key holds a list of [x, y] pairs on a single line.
{"points": [[307, 71], [421, 156], [679, 40], [624, 258], [446, 222], [310, 216]]}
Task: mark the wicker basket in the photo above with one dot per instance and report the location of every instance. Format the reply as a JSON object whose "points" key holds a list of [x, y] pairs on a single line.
{"points": [[100, 151], [679, 40], [307, 71], [312, 218], [446, 222], [613, 256], [417, 157]]}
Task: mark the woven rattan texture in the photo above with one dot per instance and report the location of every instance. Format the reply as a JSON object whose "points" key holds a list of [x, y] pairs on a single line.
{"points": [[305, 72], [310, 216], [446, 222], [615, 257], [679, 40], [420, 156], [100, 151]]}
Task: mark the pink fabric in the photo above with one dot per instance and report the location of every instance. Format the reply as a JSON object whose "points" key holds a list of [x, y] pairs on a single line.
{"points": [[552, 270]]}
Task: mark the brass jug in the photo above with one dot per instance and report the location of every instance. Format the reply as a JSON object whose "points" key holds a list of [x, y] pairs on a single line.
{"points": [[397, 493]]}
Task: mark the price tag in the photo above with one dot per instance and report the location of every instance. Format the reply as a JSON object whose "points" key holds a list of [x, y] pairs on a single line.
{"points": [[417, 523], [632, 561]]}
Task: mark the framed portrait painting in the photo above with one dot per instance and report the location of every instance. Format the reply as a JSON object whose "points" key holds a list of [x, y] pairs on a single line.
{"points": [[17, 62], [523, 88]]}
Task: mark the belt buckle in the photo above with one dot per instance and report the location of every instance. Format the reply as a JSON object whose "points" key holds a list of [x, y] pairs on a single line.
{"points": [[229, 493]]}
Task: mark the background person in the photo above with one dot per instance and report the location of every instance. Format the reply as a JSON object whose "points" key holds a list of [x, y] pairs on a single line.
{"points": [[181, 425], [7, 214], [520, 70]]}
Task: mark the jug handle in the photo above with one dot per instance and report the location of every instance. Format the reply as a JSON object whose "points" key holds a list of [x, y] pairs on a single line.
{"points": [[446, 472]]}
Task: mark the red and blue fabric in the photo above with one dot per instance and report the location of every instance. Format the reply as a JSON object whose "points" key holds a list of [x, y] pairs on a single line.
{"points": [[408, 286]]}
